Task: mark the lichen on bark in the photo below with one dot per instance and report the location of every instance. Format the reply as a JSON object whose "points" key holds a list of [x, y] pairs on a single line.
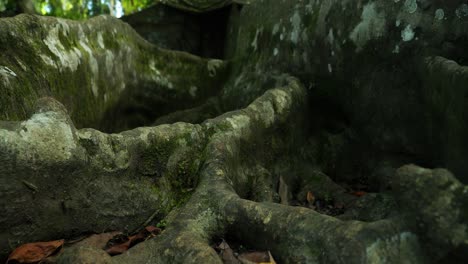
{"points": [[312, 97]]}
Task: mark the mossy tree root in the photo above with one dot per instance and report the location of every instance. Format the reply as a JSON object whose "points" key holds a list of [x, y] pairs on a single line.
{"points": [[129, 176], [98, 68], [293, 234]]}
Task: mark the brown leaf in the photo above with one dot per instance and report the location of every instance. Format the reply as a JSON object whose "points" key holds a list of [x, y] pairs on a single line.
{"points": [[358, 193], [117, 245], [118, 248], [272, 260], [226, 254], [35, 252], [310, 197], [153, 230], [121, 243], [257, 258]]}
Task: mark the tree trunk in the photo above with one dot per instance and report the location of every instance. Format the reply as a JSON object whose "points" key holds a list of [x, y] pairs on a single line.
{"points": [[27, 7], [310, 94]]}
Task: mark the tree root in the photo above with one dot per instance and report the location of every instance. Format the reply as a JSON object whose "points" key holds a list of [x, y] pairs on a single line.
{"points": [[98, 74], [129, 176]]}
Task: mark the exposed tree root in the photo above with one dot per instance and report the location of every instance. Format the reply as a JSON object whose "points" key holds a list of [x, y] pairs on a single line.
{"points": [[223, 177], [214, 210], [100, 69]]}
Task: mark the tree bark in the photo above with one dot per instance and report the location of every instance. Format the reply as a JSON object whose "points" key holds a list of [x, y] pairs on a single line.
{"points": [[27, 7], [314, 93]]}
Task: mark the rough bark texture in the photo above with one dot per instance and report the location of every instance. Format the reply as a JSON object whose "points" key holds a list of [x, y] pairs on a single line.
{"points": [[314, 93], [99, 69]]}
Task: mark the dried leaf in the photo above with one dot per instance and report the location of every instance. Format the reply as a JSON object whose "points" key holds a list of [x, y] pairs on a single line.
{"points": [[256, 258], [223, 245], [121, 243], [272, 260], [118, 248], [226, 254], [358, 193], [117, 245], [35, 252], [310, 197], [152, 231]]}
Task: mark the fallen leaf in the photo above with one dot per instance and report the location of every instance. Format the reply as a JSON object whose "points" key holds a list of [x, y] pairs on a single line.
{"points": [[257, 258], [226, 253], [358, 193], [310, 197], [272, 260], [35, 252], [153, 231], [121, 243]]}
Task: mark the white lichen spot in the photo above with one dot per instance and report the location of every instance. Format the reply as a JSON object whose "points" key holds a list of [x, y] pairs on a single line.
{"points": [[213, 66], [6, 74], [281, 100], [95, 89], [109, 62], [47, 60], [100, 40], [403, 246], [396, 50], [331, 36], [439, 14], [122, 86], [64, 25], [158, 77], [410, 6], [275, 52], [276, 29], [238, 121], [4, 70], [372, 26], [267, 218], [254, 43], [44, 138], [67, 58], [309, 8], [21, 64], [397, 23], [193, 91], [462, 11], [407, 34], [296, 27]]}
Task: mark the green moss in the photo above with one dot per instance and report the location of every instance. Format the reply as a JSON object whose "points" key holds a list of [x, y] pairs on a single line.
{"points": [[153, 159]]}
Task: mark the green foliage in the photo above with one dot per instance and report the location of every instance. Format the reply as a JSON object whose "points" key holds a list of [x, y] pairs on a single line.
{"points": [[8, 5], [80, 9], [132, 6]]}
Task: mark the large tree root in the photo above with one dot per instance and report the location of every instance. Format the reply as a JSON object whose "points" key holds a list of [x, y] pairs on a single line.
{"points": [[211, 180], [129, 176], [99, 69], [295, 235]]}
